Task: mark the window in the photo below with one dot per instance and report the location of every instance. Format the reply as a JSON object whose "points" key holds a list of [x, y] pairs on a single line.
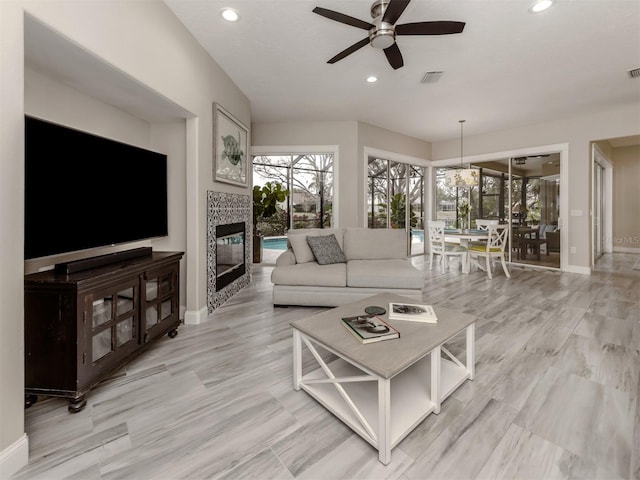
{"points": [[309, 179], [487, 202]]}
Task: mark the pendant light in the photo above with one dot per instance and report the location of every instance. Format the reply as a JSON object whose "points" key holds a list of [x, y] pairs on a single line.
{"points": [[462, 177]]}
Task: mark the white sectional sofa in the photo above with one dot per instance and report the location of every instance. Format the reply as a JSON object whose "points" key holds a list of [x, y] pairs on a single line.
{"points": [[375, 261]]}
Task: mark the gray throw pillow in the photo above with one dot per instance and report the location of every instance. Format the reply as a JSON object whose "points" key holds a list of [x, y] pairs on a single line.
{"points": [[326, 249]]}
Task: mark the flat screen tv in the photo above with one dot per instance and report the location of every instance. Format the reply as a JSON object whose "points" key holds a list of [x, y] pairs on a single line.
{"points": [[84, 191]]}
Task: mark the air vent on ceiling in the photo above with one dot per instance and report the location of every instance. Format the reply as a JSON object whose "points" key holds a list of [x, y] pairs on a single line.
{"points": [[431, 77], [634, 72]]}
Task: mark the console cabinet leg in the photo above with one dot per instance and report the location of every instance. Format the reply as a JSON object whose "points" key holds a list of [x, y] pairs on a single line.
{"points": [[77, 404], [29, 400]]}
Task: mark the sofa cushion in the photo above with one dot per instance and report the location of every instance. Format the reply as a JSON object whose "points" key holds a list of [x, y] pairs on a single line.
{"points": [[311, 274], [326, 249], [388, 273], [375, 243], [298, 241]]}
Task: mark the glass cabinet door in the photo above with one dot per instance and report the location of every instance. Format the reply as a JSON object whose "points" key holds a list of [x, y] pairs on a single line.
{"points": [[159, 302], [113, 317]]}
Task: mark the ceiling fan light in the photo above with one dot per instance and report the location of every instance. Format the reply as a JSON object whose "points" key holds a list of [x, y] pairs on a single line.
{"points": [[372, 79], [382, 39], [540, 6]]}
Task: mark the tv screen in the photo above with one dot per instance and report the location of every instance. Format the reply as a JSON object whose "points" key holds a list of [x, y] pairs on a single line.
{"points": [[84, 191]]}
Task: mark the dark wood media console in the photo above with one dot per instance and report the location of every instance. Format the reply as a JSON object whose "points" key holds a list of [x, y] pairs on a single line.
{"points": [[80, 327]]}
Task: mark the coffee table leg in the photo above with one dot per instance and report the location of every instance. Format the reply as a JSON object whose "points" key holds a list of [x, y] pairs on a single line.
{"points": [[384, 420], [436, 370], [297, 359]]}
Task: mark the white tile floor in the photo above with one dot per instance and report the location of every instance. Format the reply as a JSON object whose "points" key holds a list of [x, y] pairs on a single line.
{"points": [[556, 395]]}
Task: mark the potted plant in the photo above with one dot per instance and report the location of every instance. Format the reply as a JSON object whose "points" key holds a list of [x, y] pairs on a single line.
{"points": [[533, 214], [265, 205], [398, 211]]}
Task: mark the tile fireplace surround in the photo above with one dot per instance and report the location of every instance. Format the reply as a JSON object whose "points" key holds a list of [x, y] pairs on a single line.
{"points": [[222, 209]]}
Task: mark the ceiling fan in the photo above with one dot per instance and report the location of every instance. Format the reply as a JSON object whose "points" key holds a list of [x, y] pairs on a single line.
{"points": [[383, 31]]}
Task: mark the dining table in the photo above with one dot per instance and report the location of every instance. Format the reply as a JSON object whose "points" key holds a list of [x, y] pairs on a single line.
{"points": [[465, 237], [528, 237]]}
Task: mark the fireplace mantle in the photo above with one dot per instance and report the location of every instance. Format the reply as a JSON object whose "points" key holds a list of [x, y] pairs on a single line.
{"points": [[224, 209]]}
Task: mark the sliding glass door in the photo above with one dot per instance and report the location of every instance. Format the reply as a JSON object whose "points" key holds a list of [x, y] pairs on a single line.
{"points": [[395, 199], [416, 208], [523, 191], [535, 210]]}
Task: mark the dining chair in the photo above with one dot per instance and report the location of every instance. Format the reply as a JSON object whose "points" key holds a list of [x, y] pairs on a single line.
{"points": [[494, 248], [438, 246], [482, 224]]}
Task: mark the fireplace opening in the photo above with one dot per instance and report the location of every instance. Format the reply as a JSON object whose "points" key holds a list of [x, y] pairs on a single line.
{"points": [[230, 253]]}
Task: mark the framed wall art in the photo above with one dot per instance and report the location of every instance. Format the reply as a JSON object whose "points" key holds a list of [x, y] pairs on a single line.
{"points": [[230, 148]]}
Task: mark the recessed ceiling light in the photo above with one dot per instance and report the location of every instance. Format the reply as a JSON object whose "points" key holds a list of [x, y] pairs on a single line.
{"points": [[372, 79], [540, 6], [229, 14]]}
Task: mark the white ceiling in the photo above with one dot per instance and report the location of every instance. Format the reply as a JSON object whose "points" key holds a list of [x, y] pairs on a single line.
{"points": [[509, 68]]}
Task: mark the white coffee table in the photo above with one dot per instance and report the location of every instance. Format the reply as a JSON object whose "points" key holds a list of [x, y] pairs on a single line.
{"points": [[382, 390]]}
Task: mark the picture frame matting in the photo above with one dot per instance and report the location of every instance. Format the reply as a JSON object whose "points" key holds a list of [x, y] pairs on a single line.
{"points": [[230, 148]]}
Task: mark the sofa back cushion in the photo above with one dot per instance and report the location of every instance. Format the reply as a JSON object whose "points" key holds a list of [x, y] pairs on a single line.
{"points": [[374, 243], [298, 241]]}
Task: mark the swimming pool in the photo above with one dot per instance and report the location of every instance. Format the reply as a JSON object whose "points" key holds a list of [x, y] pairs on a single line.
{"points": [[275, 243], [417, 236]]}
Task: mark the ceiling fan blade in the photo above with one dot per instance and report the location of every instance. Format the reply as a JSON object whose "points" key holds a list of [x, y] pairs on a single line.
{"points": [[394, 56], [430, 28], [342, 18], [394, 10], [350, 50]]}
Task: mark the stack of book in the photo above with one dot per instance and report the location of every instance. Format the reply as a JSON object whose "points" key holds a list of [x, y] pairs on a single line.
{"points": [[370, 328], [412, 312]]}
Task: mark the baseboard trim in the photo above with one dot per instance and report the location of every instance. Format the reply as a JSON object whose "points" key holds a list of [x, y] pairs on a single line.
{"points": [[626, 250], [14, 457], [195, 317], [577, 269]]}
